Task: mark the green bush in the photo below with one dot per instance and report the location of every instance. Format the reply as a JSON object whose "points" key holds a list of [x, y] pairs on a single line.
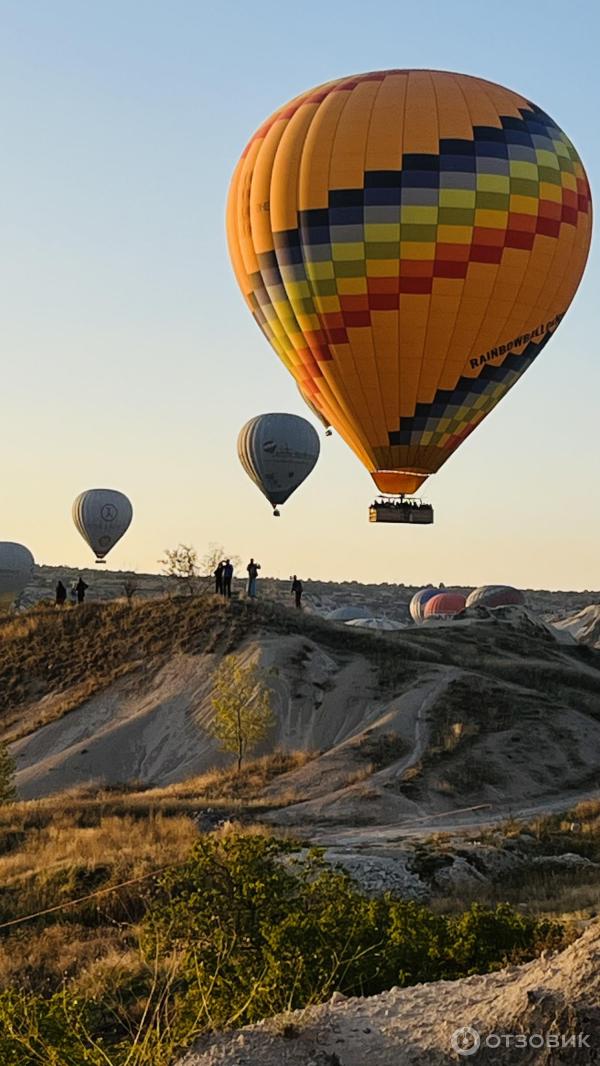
{"points": [[245, 929], [257, 933]]}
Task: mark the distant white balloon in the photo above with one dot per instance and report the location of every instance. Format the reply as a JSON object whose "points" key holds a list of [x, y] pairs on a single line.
{"points": [[102, 516], [16, 568]]}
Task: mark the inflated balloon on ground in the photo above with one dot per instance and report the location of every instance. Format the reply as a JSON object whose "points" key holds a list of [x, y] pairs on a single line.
{"points": [[408, 241], [102, 516], [495, 596], [444, 605], [416, 606]]}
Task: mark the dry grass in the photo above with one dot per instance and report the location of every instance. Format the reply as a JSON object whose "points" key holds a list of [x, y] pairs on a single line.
{"points": [[57, 850], [61, 861], [129, 847], [228, 784]]}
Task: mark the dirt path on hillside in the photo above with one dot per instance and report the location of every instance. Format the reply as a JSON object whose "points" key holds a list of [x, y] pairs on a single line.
{"points": [[464, 820]]}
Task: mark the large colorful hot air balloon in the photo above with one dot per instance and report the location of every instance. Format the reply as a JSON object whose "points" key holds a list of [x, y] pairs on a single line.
{"points": [[315, 410], [278, 451], [102, 516], [408, 241], [16, 568]]}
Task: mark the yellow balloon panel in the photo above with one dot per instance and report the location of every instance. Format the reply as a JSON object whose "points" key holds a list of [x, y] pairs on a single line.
{"points": [[408, 241]]}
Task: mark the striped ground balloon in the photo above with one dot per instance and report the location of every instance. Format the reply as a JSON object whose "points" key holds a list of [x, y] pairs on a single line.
{"points": [[408, 241], [495, 596]]}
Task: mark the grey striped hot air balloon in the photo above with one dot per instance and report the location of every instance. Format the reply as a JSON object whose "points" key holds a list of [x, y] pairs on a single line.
{"points": [[278, 451], [102, 516], [16, 568]]}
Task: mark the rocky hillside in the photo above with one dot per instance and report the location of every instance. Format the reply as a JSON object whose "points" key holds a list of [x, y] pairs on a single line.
{"points": [[490, 708], [584, 625]]}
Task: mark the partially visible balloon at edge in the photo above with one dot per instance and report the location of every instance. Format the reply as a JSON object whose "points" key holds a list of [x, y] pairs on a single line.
{"points": [[16, 569]]}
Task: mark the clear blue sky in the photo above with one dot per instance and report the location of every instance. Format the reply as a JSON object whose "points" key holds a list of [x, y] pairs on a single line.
{"points": [[129, 358]]}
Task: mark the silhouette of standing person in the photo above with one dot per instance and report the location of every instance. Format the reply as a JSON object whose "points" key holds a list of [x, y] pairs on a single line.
{"points": [[227, 576], [297, 589], [81, 589], [61, 594], [219, 578], [252, 569]]}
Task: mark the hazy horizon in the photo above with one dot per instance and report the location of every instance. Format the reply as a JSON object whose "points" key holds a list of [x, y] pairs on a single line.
{"points": [[132, 359]]}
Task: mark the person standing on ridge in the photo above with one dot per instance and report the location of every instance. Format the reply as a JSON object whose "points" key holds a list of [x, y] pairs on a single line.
{"points": [[252, 569], [227, 576], [61, 594], [297, 590], [218, 575], [81, 589]]}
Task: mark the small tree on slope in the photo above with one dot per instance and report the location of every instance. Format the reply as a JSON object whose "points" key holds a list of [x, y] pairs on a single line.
{"points": [[181, 562], [242, 705]]}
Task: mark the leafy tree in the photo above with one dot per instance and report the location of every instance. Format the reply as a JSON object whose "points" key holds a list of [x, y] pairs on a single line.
{"points": [[8, 792], [242, 705], [181, 562], [213, 556]]}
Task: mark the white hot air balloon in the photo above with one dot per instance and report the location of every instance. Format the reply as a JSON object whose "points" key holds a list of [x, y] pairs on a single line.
{"points": [[16, 568], [102, 516]]}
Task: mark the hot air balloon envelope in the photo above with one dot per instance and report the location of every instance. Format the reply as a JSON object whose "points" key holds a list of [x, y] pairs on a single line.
{"points": [[495, 596], [315, 410], [408, 241], [16, 568], [444, 605], [102, 516], [278, 451], [416, 606]]}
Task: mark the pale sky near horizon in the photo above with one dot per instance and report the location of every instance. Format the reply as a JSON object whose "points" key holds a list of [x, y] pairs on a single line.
{"points": [[130, 359]]}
